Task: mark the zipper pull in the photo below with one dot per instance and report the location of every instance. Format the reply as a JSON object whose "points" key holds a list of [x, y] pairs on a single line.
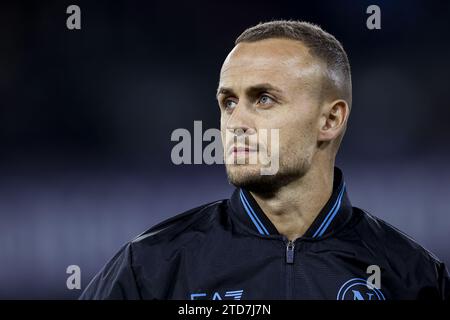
{"points": [[290, 252]]}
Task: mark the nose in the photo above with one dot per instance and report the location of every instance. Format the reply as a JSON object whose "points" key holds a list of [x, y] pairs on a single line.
{"points": [[241, 121]]}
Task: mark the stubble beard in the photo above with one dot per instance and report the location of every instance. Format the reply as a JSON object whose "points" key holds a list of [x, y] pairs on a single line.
{"points": [[250, 178]]}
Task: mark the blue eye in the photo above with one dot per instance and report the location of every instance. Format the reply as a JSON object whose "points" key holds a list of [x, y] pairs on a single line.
{"points": [[265, 99], [230, 104]]}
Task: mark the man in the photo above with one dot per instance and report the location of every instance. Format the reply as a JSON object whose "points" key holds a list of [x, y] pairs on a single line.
{"points": [[289, 235]]}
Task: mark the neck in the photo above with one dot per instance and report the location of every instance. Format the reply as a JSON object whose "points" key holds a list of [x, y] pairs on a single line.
{"points": [[293, 208]]}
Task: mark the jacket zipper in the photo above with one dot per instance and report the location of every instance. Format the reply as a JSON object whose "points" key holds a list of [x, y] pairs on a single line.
{"points": [[290, 252], [290, 255]]}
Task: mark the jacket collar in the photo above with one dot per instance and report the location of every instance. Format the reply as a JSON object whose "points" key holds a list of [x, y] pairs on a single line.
{"points": [[336, 212]]}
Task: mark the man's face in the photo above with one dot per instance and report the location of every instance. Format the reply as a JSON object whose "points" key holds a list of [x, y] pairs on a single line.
{"points": [[269, 84]]}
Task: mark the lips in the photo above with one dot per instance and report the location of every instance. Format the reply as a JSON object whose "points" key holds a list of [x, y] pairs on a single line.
{"points": [[240, 149]]}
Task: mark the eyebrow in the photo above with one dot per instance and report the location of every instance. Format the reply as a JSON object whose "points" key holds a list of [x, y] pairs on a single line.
{"points": [[251, 90]]}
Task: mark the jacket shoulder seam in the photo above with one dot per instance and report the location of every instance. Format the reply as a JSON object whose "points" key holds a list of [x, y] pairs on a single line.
{"points": [[170, 223]]}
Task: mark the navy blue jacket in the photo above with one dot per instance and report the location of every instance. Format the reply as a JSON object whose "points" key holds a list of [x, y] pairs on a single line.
{"points": [[229, 249]]}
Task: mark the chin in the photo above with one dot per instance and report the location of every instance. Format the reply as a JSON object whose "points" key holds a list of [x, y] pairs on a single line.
{"points": [[249, 177], [240, 175]]}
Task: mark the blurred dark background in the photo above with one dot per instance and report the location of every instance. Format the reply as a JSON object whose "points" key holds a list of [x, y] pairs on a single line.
{"points": [[86, 118]]}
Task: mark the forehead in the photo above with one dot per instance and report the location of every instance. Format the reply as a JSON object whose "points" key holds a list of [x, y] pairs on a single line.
{"points": [[273, 60]]}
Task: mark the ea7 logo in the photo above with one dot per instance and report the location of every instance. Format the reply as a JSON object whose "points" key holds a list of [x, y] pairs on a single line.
{"points": [[228, 295]]}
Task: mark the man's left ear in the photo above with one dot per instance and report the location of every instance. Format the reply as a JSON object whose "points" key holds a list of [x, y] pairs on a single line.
{"points": [[333, 119]]}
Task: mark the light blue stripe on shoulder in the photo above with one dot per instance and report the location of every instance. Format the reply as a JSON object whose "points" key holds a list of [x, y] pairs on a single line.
{"points": [[252, 215], [330, 216]]}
